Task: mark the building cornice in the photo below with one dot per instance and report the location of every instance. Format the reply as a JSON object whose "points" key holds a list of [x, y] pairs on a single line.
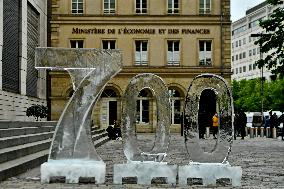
{"points": [[134, 19], [169, 71]]}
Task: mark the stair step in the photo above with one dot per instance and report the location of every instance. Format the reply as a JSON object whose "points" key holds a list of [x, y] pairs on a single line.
{"points": [[20, 165], [24, 131], [101, 141], [19, 124], [98, 136], [95, 127], [97, 131], [15, 152], [23, 139]]}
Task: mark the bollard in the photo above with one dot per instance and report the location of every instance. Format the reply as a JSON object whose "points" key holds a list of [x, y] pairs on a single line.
{"points": [[256, 131], [274, 133], [251, 133], [261, 132], [207, 132], [267, 132]]}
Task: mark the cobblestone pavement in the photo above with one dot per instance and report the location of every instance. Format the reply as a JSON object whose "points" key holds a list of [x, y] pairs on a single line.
{"points": [[262, 161]]}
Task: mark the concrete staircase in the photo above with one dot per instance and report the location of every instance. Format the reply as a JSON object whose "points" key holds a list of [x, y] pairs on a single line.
{"points": [[99, 136], [25, 145]]}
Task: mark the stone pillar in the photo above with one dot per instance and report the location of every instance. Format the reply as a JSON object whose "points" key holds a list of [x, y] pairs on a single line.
{"points": [[251, 133], [274, 134], [256, 131], [261, 131], [267, 132], [207, 132]]}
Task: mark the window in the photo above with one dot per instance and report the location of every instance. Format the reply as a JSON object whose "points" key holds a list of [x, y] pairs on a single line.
{"points": [[108, 93], [141, 6], [204, 6], [244, 41], [250, 67], [77, 6], [233, 58], [76, 43], [173, 6], [109, 44], [141, 53], [239, 30], [109, 6], [253, 51], [237, 44], [143, 108], [250, 52], [254, 66], [240, 43], [175, 100], [244, 68], [258, 50], [205, 53], [244, 54], [232, 45], [236, 70], [173, 53], [237, 57], [240, 55], [240, 69]]}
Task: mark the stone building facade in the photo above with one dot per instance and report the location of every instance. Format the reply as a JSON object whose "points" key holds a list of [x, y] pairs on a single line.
{"points": [[23, 27], [174, 39]]}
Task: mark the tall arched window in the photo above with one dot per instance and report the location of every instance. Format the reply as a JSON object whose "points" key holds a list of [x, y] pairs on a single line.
{"points": [[143, 106], [175, 100], [109, 93]]}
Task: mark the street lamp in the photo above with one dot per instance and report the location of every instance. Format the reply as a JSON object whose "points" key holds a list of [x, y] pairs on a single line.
{"points": [[261, 70]]}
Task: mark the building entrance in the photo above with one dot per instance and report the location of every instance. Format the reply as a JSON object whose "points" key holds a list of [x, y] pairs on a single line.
{"points": [[207, 108]]}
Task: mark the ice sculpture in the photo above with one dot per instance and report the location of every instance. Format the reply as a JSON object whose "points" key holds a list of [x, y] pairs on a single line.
{"points": [[72, 153], [145, 165], [224, 102], [214, 164]]}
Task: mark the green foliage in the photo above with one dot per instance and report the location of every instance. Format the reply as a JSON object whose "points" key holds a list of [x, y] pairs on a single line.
{"points": [[247, 95], [37, 111], [272, 40]]}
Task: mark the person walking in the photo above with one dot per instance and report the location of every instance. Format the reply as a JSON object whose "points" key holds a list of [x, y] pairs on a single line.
{"points": [[243, 123], [215, 120]]}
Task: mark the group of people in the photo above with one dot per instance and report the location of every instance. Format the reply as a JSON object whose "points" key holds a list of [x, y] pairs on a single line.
{"points": [[240, 122], [274, 122], [114, 132]]}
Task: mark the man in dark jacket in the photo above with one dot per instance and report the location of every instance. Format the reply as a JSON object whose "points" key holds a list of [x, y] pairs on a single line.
{"points": [[242, 123], [281, 120], [273, 122]]}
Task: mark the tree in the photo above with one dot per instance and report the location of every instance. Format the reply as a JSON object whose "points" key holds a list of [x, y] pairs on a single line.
{"points": [[247, 95], [38, 111], [272, 40]]}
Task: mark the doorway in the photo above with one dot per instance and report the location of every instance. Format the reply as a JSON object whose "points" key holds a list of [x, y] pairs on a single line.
{"points": [[207, 108], [112, 112]]}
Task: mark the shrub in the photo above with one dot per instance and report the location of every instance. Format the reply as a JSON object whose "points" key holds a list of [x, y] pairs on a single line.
{"points": [[38, 111]]}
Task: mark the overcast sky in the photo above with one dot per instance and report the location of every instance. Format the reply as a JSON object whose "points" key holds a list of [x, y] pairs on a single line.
{"points": [[239, 7]]}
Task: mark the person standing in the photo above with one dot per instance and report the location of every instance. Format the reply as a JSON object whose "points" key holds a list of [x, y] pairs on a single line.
{"points": [[243, 123], [215, 120], [273, 122]]}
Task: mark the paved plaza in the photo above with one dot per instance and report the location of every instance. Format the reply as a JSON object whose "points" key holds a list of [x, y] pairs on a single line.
{"points": [[262, 161]]}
